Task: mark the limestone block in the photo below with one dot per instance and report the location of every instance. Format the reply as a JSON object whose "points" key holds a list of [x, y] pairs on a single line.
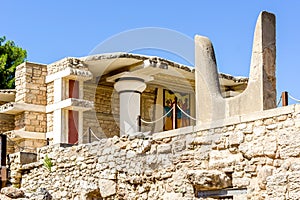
{"points": [[259, 131], [236, 138], [178, 146], [263, 173], [164, 148], [12, 192], [270, 145], [294, 185], [260, 146], [240, 182], [107, 187], [164, 160], [172, 196], [289, 143], [223, 158], [277, 186], [209, 179]]}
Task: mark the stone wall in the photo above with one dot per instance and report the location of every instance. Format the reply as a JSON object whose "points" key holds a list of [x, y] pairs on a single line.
{"points": [[49, 122], [30, 121], [104, 119], [6, 123], [31, 89], [258, 152], [147, 107], [35, 122], [19, 120], [50, 93], [30, 83]]}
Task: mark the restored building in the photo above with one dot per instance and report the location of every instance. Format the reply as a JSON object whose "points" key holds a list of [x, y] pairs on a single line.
{"points": [[241, 145], [63, 100]]}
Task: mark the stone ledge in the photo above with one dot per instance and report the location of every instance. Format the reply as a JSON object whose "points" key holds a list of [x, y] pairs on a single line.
{"points": [[268, 113], [218, 123], [71, 104], [70, 73], [174, 132], [13, 108], [229, 121], [21, 133]]}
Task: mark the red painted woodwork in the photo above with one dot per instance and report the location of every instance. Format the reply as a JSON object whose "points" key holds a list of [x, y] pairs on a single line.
{"points": [[73, 115], [73, 89], [73, 124]]}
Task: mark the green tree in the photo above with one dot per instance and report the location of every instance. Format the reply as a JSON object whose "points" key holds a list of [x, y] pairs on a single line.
{"points": [[10, 57]]}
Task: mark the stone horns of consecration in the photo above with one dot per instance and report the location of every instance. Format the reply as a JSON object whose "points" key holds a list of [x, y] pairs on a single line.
{"points": [[260, 93]]}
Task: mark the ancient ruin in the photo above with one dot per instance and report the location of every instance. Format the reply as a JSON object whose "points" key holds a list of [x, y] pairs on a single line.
{"points": [[97, 128]]}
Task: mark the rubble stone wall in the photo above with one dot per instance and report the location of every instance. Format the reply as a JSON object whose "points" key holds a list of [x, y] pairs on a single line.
{"points": [[260, 153]]}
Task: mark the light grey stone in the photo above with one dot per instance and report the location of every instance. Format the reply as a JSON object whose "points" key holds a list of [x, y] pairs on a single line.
{"points": [[107, 187]]}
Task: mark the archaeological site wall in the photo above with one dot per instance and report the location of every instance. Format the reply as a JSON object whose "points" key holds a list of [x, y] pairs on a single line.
{"points": [[256, 155]]}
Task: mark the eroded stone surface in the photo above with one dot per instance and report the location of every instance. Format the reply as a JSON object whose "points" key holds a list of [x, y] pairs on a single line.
{"points": [[205, 179]]}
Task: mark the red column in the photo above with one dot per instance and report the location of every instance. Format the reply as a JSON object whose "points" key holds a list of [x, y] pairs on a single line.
{"points": [[73, 115]]}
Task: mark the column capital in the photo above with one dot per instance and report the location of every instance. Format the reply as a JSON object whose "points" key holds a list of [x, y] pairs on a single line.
{"points": [[130, 84]]}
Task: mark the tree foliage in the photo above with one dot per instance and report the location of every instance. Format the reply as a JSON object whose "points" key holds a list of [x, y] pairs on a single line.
{"points": [[10, 57]]}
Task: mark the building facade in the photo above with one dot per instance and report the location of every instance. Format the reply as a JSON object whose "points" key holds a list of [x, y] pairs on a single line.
{"points": [[66, 101]]}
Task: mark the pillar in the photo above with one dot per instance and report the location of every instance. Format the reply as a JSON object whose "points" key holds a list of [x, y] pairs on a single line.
{"points": [[129, 89], [59, 115]]}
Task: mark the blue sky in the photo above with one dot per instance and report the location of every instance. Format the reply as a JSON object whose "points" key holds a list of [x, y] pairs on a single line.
{"points": [[51, 30]]}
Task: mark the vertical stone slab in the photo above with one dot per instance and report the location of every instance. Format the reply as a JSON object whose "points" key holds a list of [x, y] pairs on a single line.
{"points": [[268, 51], [260, 93], [208, 94]]}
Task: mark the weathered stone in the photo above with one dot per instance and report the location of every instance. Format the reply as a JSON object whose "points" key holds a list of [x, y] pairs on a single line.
{"points": [[223, 158], [172, 196], [294, 182], [240, 182], [209, 179], [263, 173], [41, 194], [164, 148], [236, 138], [289, 144], [12, 192], [107, 187], [277, 186]]}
